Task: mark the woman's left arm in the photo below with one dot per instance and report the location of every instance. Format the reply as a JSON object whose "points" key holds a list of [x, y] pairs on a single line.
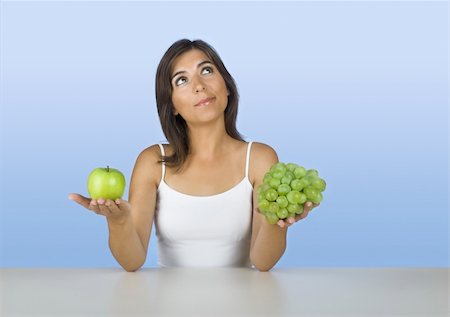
{"points": [[268, 241]]}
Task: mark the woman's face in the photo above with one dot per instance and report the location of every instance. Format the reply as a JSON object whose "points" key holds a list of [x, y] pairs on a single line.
{"points": [[199, 92]]}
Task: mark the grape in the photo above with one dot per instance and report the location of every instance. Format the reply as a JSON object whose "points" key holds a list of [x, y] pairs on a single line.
{"points": [[312, 172], [319, 184], [282, 213], [283, 189], [273, 208], [291, 166], [299, 172], [319, 198], [274, 182], [304, 182], [299, 210], [267, 178], [281, 167], [297, 184], [277, 174], [261, 196], [271, 194], [286, 188], [265, 187], [294, 197], [303, 198], [282, 201], [293, 208], [287, 178], [313, 195], [309, 179], [264, 205], [272, 218]]}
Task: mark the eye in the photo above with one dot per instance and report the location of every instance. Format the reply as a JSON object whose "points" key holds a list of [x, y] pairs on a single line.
{"points": [[180, 81], [209, 69]]}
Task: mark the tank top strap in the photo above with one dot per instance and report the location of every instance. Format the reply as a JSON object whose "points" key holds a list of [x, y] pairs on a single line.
{"points": [[163, 163], [247, 159]]}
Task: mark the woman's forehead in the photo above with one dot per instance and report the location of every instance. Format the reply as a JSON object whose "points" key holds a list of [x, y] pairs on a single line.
{"points": [[189, 58]]}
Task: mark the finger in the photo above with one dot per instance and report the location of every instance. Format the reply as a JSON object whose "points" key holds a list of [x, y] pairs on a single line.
{"points": [[103, 209], [287, 223], [123, 205], [308, 206], [87, 203], [94, 206], [112, 206], [312, 205], [302, 215], [99, 207], [83, 201]]}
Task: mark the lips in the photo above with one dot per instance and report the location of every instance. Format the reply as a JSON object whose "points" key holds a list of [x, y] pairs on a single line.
{"points": [[204, 101]]}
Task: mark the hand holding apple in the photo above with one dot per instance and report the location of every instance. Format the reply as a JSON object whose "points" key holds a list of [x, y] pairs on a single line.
{"points": [[106, 187], [114, 210]]}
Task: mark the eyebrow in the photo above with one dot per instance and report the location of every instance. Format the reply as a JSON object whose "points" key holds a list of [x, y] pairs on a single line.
{"points": [[183, 71]]}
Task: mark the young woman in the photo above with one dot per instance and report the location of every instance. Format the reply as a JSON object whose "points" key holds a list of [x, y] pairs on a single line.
{"points": [[200, 190]]}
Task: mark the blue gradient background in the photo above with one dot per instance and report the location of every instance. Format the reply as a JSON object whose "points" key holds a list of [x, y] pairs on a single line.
{"points": [[357, 90]]}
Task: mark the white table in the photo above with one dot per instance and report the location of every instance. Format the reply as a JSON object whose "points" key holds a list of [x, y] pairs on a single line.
{"points": [[225, 292]]}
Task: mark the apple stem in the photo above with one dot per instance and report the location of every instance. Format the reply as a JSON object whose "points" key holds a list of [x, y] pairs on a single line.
{"points": [[107, 168]]}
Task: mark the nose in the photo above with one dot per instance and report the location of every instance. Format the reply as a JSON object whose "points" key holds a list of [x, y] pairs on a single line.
{"points": [[198, 84]]}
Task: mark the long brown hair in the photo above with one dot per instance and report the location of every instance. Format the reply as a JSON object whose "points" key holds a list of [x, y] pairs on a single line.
{"points": [[174, 126]]}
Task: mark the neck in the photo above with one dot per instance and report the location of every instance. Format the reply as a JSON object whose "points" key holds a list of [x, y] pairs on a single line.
{"points": [[209, 142]]}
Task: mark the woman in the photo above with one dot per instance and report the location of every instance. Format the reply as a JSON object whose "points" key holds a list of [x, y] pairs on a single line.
{"points": [[200, 190]]}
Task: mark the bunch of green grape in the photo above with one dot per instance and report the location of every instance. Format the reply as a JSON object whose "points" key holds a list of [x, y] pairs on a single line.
{"points": [[285, 188]]}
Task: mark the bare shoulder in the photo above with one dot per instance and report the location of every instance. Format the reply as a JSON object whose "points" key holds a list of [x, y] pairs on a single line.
{"points": [[150, 154], [263, 156], [148, 161], [262, 150], [153, 151]]}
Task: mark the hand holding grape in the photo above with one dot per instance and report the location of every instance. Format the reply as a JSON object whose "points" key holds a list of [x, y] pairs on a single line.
{"points": [[289, 192]]}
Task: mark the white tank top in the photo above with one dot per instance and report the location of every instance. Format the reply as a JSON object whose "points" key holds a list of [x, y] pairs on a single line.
{"points": [[204, 231]]}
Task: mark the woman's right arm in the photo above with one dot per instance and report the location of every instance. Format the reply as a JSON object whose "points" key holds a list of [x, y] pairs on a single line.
{"points": [[129, 237], [130, 222]]}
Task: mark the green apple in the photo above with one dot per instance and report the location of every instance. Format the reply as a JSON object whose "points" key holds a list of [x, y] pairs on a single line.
{"points": [[106, 183]]}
